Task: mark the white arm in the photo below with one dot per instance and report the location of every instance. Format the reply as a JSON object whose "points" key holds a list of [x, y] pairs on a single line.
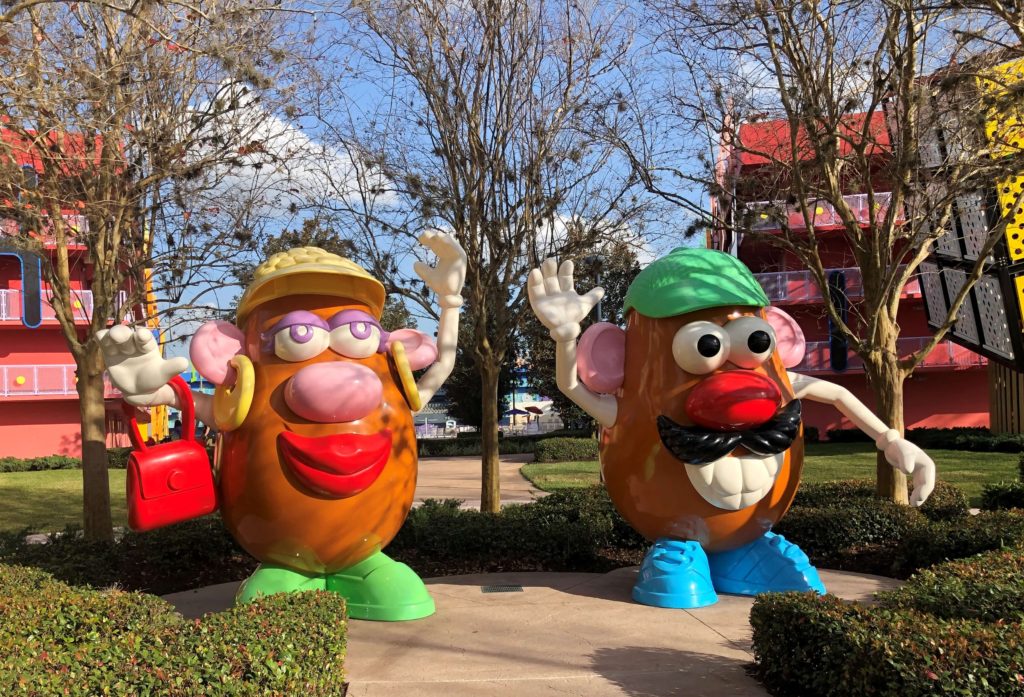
{"points": [[899, 452], [560, 308], [447, 340], [446, 280]]}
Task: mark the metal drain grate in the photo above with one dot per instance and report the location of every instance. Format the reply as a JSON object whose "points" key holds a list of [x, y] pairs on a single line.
{"points": [[501, 589]]}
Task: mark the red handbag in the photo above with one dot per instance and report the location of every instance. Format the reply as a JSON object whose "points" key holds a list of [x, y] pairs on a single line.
{"points": [[171, 482]]}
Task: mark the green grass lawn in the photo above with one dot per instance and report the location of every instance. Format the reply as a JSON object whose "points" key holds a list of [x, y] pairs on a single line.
{"points": [[51, 499], [970, 471]]}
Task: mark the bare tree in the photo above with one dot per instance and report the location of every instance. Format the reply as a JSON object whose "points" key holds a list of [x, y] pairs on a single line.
{"points": [[860, 88], [477, 117], [124, 112]]}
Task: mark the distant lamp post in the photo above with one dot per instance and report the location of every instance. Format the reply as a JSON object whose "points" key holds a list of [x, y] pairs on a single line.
{"points": [[596, 262]]}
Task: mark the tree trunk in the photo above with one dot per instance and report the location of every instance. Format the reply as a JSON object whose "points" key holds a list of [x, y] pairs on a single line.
{"points": [[96, 519], [490, 483], [887, 384]]}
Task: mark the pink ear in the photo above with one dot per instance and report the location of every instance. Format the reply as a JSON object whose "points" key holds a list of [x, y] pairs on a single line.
{"points": [[789, 338], [419, 348], [601, 357], [211, 349]]}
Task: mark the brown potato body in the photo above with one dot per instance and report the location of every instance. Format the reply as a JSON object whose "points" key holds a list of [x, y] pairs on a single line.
{"points": [[647, 484], [270, 514]]}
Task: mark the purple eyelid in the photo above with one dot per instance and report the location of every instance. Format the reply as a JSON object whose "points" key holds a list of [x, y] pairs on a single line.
{"points": [[358, 316], [290, 321]]}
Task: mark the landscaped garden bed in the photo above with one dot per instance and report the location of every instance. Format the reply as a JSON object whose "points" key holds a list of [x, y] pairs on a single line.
{"points": [[59, 640]]}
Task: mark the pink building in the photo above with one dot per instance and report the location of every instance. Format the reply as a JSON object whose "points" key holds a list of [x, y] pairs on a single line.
{"points": [[950, 388]]}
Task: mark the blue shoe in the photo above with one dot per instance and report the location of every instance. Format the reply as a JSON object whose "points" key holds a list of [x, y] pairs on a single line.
{"points": [[675, 574], [768, 564]]}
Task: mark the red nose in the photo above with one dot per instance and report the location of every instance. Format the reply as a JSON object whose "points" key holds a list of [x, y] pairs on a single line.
{"points": [[733, 401]]}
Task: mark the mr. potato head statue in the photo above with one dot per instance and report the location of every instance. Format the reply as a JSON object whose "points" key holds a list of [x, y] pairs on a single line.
{"points": [[316, 462], [702, 442]]}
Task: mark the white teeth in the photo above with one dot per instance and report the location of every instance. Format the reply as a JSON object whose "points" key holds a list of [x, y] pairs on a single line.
{"points": [[728, 477], [733, 482], [706, 472]]}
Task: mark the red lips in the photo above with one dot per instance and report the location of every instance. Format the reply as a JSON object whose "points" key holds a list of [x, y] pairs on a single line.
{"points": [[336, 466]]}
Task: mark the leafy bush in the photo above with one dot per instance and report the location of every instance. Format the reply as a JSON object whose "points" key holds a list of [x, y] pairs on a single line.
{"points": [[947, 501], [826, 531], [469, 443], [38, 464], [956, 539], [960, 438], [809, 645], [811, 434], [1001, 496], [70, 641], [953, 630], [186, 555], [987, 587], [565, 450]]}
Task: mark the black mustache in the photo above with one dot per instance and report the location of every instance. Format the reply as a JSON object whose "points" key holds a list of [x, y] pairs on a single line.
{"points": [[699, 446]]}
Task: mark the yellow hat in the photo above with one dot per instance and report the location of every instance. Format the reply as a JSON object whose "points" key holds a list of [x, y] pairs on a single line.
{"points": [[310, 271]]}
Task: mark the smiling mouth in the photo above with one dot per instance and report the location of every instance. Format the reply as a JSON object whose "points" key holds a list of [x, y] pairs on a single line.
{"points": [[335, 466]]}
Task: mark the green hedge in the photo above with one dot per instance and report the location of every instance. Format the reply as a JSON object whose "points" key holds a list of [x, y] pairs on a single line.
{"points": [[469, 443], [117, 458], [565, 450], [79, 642], [1002, 496], [961, 438], [954, 630], [947, 501]]}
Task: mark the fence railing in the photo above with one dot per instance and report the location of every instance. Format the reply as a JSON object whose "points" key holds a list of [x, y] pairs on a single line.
{"points": [[945, 355], [793, 287], [45, 380], [81, 301], [770, 215]]}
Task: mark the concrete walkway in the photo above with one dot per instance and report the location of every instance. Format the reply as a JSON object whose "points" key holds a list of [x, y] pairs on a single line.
{"points": [[459, 478], [571, 634]]}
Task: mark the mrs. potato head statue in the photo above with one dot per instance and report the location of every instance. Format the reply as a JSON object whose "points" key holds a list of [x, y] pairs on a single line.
{"points": [[316, 464], [702, 441]]}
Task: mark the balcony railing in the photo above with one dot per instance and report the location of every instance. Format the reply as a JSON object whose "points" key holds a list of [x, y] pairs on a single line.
{"points": [[77, 224], [945, 355], [798, 287], [81, 300], [768, 216], [45, 381]]}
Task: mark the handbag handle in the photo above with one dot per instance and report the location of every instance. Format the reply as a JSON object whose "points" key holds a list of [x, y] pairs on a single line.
{"points": [[188, 412]]}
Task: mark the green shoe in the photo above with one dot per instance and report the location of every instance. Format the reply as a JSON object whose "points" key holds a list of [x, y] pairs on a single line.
{"points": [[380, 588], [269, 579]]}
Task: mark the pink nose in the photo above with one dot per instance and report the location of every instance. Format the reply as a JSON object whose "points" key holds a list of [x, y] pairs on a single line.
{"points": [[333, 392]]}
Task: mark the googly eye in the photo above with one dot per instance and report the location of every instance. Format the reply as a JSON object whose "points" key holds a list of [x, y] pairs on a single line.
{"points": [[752, 339], [300, 342], [356, 339], [700, 347]]}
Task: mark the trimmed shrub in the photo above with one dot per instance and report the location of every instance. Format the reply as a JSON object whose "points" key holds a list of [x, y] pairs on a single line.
{"points": [[39, 464], [811, 434], [468, 443], [947, 501], [809, 645], [1002, 496], [78, 642], [565, 450], [826, 531], [956, 539], [186, 555], [987, 587], [953, 630], [961, 438]]}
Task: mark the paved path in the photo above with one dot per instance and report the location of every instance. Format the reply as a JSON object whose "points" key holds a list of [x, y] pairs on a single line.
{"points": [[564, 634], [459, 478]]}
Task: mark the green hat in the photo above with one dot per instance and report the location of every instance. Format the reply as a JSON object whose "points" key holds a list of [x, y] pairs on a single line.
{"points": [[690, 279]]}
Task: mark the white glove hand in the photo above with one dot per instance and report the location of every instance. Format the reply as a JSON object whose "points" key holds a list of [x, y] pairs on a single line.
{"points": [[136, 367], [911, 461], [555, 301], [445, 279]]}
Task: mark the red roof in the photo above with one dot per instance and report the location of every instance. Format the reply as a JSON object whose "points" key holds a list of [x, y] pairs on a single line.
{"points": [[762, 143]]}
